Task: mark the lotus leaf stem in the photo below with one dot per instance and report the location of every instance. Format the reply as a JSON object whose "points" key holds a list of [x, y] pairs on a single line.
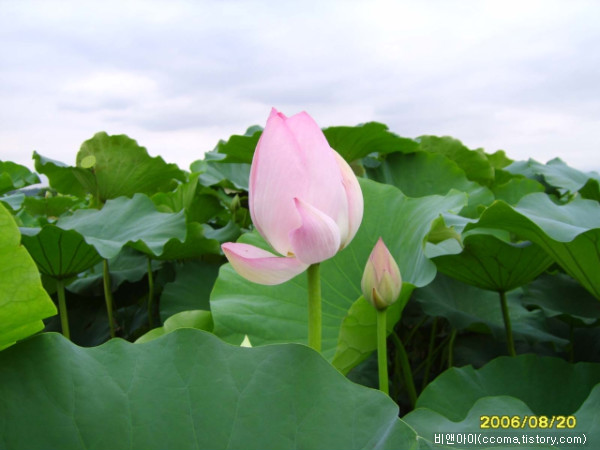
{"points": [[62, 308], [510, 344], [108, 298]]}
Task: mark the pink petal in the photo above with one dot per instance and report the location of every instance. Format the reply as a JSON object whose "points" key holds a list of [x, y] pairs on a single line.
{"points": [[259, 266], [354, 198], [318, 238], [292, 160]]}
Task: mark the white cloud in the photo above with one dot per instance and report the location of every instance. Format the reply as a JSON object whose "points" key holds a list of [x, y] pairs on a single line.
{"points": [[179, 75]]}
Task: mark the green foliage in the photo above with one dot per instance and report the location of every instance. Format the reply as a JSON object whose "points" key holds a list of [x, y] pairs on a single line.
{"points": [[528, 378], [124, 221], [463, 225], [59, 253], [23, 301], [187, 390], [15, 176]]}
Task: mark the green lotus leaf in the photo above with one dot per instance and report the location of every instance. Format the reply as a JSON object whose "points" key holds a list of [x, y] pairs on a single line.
{"points": [[65, 179], [470, 308], [560, 295], [428, 423], [214, 170], [357, 142], [200, 203], [23, 300], [59, 253], [128, 266], [122, 168], [198, 319], [591, 189], [499, 160], [238, 148], [195, 245], [190, 290], [358, 332], [270, 314], [15, 176], [491, 263], [556, 174], [13, 201], [527, 377], [51, 207], [187, 390], [474, 163], [127, 220], [512, 188], [511, 386], [420, 174], [569, 233]]}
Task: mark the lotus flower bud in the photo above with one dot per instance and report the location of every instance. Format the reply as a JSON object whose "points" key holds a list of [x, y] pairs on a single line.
{"points": [[381, 282]]}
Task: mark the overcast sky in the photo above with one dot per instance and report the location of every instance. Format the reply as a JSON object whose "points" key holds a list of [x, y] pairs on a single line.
{"points": [[177, 76]]}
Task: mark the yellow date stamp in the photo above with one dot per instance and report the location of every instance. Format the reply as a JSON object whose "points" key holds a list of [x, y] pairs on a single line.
{"points": [[506, 422]]}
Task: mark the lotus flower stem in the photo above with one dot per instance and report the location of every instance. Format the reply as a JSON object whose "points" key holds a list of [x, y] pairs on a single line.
{"points": [[314, 307], [62, 308], [510, 344], [382, 364], [409, 382], [430, 353], [150, 294], [108, 298]]}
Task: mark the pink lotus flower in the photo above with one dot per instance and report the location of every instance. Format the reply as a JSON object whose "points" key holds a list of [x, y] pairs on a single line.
{"points": [[304, 200]]}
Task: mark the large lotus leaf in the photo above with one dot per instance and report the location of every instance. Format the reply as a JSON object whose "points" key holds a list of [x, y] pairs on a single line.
{"points": [[556, 174], [65, 179], [239, 148], [429, 424], [190, 290], [591, 189], [180, 198], [547, 385], [120, 167], [512, 188], [473, 162], [51, 207], [186, 390], [13, 201], [491, 263], [419, 174], [373, 137], [200, 203], [57, 252], [269, 314], [195, 245], [358, 333], [198, 319], [468, 307], [499, 160], [560, 295], [23, 300], [127, 220], [215, 171], [570, 233], [15, 176]]}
